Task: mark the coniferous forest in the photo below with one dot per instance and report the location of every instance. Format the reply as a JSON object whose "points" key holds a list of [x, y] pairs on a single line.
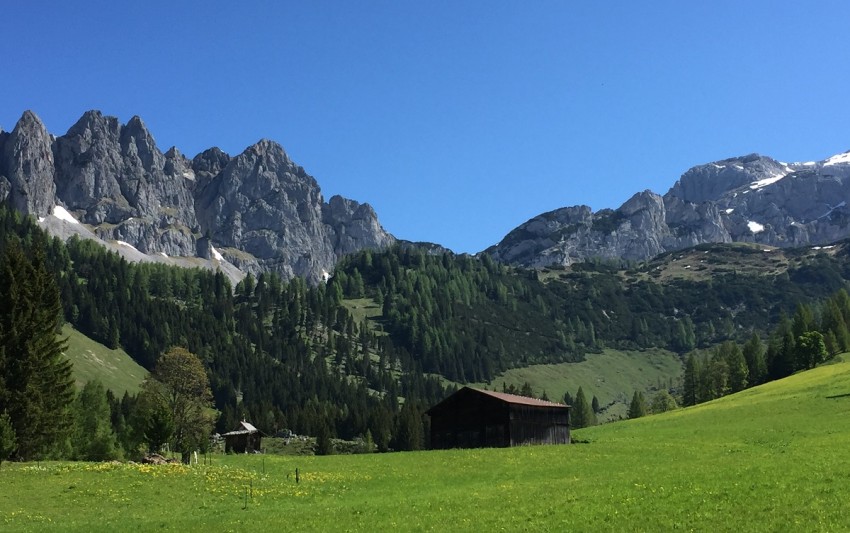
{"points": [[287, 355]]}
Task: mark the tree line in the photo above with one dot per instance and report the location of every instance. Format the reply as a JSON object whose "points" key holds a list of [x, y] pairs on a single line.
{"points": [[287, 355], [284, 355]]}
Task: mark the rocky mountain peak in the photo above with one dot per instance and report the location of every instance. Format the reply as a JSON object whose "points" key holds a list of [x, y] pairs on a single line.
{"points": [[261, 210], [26, 167], [751, 198], [710, 181]]}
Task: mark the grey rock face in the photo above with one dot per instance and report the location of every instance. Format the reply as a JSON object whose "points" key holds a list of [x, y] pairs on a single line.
{"points": [[270, 209], [749, 199], [260, 209], [353, 226], [709, 182], [207, 165], [115, 178], [26, 167]]}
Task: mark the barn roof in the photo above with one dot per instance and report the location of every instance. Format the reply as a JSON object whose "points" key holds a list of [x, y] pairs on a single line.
{"points": [[521, 400], [501, 396], [244, 428]]}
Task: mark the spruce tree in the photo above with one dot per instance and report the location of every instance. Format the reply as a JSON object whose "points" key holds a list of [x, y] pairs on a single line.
{"points": [[691, 382], [7, 437], [93, 437], [581, 415], [754, 356], [637, 408], [36, 388]]}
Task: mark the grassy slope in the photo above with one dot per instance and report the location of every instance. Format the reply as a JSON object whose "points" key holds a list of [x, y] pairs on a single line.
{"points": [[774, 458], [611, 376], [115, 369]]}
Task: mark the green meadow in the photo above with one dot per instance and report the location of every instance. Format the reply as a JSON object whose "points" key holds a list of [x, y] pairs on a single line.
{"points": [[772, 458], [114, 368], [612, 376]]}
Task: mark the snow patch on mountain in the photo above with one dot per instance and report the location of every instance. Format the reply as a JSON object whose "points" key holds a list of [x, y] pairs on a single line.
{"points": [[755, 227], [838, 159], [216, 253], [60, 213]]}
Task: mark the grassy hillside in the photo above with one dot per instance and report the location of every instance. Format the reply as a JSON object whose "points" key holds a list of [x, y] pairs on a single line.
{"points": [[115, 369], [612, 376], [772, 458]]}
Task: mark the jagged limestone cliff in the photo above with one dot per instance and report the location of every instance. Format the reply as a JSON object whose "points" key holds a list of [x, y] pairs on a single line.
{"points": [[258, 210]]}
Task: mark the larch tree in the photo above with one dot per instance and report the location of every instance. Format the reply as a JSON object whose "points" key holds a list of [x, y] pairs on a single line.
{"points": [[36, 388], [93, 438]]}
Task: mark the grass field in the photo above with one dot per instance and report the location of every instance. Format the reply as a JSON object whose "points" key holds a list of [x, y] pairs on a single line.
{"points": [[115, 369], [612, 376], [773, 458]]}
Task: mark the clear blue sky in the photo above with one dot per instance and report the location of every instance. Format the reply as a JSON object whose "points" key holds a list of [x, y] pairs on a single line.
{"points": [[456, 120]]}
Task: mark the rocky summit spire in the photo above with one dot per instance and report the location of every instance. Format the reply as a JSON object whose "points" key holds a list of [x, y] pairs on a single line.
{"points": [[26, 167], [264, 212]]}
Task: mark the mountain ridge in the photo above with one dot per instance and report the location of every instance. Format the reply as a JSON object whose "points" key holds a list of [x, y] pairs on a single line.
{"points": [[750, 198], [262, 211]]}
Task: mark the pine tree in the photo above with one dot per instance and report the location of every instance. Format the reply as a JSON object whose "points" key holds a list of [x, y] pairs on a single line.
{"points": [[739, 372], [36, 388], [7, 437], [637, 408], [594, 404], [323, 440], [93, 437], [691, 382], [754, 356], [581, 414]]}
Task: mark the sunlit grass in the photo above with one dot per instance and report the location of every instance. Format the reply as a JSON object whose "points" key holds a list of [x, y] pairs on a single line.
{"points": [[114, 368], [773, 458]]}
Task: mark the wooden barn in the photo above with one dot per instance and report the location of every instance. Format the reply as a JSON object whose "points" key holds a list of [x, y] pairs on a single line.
{"points": [[474, 418], [244, 439]]}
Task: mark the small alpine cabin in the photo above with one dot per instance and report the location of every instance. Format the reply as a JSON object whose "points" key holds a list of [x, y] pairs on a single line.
{"points": [[475, 418], [244, 439]]}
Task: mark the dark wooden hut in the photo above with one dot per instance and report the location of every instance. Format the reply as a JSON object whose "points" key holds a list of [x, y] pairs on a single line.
{"points": [[474, 418], [244, 439]]}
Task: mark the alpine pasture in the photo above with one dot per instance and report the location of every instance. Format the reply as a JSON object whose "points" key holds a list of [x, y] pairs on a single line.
{"points": [[771, 458]]}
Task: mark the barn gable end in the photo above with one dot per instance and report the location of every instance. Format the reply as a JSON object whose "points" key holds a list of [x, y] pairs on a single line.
{"points": [[474, 418]]}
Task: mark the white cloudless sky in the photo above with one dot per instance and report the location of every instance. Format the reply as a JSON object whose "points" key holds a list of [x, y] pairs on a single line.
{"points": [[457, 121]]}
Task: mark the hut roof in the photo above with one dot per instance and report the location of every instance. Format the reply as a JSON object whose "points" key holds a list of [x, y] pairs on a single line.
{"points": [[501, 396], [522, 400], [244, 428]]}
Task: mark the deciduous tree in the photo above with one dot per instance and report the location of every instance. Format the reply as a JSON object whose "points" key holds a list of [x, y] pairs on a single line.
{"points": [[181, 384], [663, 402]]}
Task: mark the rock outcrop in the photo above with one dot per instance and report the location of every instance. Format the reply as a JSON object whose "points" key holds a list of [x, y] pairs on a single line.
{"points": [[751, 198], [258, 210], [26, 167]]}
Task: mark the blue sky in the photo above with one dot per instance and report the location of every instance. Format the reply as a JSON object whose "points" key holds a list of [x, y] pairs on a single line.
{"points": [[456, 120]]}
